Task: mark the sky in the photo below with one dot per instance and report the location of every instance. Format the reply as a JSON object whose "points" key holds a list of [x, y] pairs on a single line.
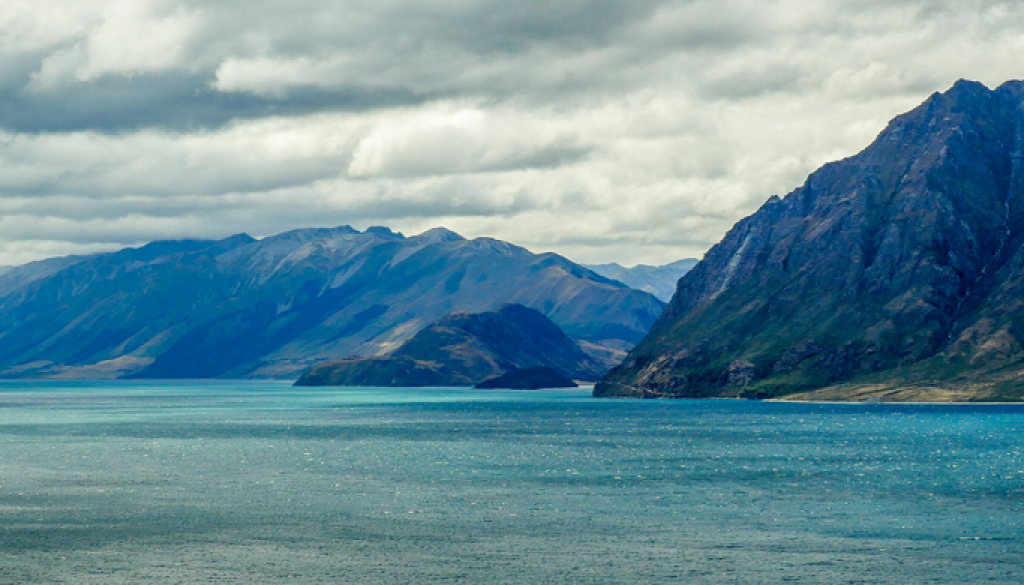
{"points": [[631, 131]]}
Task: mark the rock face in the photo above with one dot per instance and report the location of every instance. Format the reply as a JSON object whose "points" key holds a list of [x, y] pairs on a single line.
{"points": [[242, 307], [897, 273], [463, 349], [660, 281], [528, 379]]}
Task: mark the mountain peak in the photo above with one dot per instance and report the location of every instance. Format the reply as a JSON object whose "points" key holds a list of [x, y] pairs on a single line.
{"points": [[910, 251], [310, 234], [239, 239], [383, 232], [1013, 89], [438, 234], [968, 86]]}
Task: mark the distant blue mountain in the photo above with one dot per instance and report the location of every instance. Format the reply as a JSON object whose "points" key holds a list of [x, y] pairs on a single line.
{"points": [[660, 281], [242, 307]]}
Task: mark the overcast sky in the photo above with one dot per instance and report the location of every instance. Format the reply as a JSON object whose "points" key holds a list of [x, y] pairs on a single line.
{"points": [[605, 130]]}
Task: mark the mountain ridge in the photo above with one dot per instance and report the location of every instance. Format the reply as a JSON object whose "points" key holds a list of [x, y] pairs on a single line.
{"points": [[899, 266], [241, 307]]}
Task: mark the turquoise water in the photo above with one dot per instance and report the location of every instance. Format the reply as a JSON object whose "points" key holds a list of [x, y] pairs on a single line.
{"points": [[259, 482]]}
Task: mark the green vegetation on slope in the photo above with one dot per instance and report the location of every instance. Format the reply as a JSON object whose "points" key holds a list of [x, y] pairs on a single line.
{"points": [[900, 267]]}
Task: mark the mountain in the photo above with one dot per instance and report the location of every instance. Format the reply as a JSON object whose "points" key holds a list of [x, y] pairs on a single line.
{"points": [[895, 274], [14, 277], [660, 281], [463, 349], [533, 378], [242, 307]]}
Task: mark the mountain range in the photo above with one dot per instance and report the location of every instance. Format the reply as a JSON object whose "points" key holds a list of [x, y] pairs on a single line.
{"points": [[660, 281], [895, 274], [464, 349], [242, 307]]}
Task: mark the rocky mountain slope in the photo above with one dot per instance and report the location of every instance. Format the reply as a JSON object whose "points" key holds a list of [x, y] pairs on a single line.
{"points": [[660, 281], [242, 307], [463, 349], [896, 274]]}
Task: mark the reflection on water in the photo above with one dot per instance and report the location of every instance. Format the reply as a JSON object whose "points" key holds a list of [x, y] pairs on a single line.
{"points": [[259, 482]]}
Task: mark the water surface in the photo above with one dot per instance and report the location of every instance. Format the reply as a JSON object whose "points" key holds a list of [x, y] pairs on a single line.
{"points": [[259, 482]]}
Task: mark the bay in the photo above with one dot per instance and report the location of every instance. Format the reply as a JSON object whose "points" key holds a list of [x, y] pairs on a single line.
{"points": [[260, 482]]}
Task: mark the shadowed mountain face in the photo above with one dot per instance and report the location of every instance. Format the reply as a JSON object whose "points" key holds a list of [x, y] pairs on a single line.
{"points": [[899, 270], [463, 349], [241, 307], [529, 379], [660, 281]]}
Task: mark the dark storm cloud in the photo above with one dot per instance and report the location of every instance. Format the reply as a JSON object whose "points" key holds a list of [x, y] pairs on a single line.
{"points": [[336, 56], [175, 101]]}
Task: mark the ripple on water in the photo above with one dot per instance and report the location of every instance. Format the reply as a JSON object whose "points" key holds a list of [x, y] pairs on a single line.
{"points": [[261, 482]]}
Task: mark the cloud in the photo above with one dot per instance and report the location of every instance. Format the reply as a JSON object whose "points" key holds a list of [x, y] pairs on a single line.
{"points": [[274, 76], [607, 130], [466, 140], [130, 37], [253, 157]]}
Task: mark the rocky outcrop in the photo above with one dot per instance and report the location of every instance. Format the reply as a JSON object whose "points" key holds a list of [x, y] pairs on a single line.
{"points": [[463, 349], [901, 266]]}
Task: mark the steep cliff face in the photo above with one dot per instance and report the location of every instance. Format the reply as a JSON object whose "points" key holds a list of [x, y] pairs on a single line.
{"points": [[242, 307], [463, 349], [900, 263]]}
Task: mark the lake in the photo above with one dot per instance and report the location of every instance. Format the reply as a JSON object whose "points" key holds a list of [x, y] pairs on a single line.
{"points": [[259, 482]]}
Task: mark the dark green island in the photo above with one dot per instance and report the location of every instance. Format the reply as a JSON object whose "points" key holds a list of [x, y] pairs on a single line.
{"points": [[528, 379], [464, 349]]}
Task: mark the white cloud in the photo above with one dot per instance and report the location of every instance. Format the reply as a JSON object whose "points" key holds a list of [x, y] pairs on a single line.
{"points": [[34, 25], [452, 140], [129, 37], [274, 76], [135, 37], [626, 131], [247, 157]]}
